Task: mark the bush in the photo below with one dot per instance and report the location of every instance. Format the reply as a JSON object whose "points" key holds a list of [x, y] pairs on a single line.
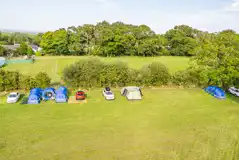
{"points": [[190, 77], [114, 74], [84, 73], [15, 80], [155, 74], [9, 80], [42, 80], [28, 82]]}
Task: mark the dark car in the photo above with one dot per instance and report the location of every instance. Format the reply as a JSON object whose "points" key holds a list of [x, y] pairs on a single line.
{"points": [[80, 95]]}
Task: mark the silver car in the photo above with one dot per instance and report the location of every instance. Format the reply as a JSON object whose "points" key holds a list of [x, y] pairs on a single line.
{"points": [[108, 94], [13, 97]]}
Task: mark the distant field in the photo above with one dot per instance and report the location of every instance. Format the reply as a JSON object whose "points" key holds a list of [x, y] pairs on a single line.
{"points": [[168, 124], [54, 65]]}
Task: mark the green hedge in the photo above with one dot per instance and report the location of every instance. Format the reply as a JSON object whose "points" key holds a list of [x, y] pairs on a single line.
{"points": [[94, 73], [14, 80]]}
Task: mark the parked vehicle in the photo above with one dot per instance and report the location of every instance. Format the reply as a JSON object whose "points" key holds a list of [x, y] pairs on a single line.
{"points": [[234, 91], [132, 93], [13, 97], [108, 94], [80, 95]]}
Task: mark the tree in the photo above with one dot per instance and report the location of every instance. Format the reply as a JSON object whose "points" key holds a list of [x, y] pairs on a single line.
{"points": [[2, 51], [42, 80], [23, 49], [182, 40], [217, 61]]}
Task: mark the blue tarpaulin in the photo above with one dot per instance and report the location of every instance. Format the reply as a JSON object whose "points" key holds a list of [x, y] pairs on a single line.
{"points": [[216, 92], [49, 94], [61, 95], [35, 96]]}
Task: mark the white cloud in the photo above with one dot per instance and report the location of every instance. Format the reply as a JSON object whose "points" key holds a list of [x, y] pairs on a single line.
{"points": [[234, 6]]}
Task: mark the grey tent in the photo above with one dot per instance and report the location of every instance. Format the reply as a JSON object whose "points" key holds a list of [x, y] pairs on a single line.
{"points": [[132, 93]]}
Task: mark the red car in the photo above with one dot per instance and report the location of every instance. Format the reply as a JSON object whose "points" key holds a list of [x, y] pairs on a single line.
{"points": [[80, 95]]}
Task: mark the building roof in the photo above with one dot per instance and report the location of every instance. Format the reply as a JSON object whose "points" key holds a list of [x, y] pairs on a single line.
{"points": [[11, 47]]}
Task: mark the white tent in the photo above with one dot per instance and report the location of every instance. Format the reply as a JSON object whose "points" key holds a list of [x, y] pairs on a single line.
{"points": [[132, 93]]}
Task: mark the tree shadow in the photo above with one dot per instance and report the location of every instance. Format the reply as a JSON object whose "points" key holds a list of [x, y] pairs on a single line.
{"points": [[55, 84], [233, 98]]}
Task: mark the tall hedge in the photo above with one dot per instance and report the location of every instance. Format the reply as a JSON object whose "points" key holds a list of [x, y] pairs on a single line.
{"points": [[155, 74], [94, 73], [13, 80]]}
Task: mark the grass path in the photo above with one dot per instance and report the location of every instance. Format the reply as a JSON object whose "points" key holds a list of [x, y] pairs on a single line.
{"points": [[167, 124]]}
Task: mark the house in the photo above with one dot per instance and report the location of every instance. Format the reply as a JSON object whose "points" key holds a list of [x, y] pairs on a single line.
{"points": [[35, 48], [14, 47]]}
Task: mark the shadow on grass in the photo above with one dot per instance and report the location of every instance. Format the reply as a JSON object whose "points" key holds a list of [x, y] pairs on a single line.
{"points": [[55, 84], [233, 98], [23, 99]]}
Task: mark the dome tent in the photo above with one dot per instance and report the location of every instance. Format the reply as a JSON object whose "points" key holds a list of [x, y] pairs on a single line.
{"points": [[49, 94], [216, 92], [35, 96], [61, 95], [2, 61]]}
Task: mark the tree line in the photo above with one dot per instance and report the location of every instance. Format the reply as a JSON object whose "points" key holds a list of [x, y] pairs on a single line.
{"points": [[119, 39], [18, 37]]}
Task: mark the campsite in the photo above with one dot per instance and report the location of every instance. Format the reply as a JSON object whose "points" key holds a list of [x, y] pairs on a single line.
{"points": [[119, 91]]}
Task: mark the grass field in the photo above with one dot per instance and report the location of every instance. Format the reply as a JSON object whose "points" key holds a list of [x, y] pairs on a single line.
{"points": [[54, 65], [168, 124]]}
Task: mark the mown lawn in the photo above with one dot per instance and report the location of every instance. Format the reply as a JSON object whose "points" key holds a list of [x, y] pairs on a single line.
{"points": [[54, 65], [168, 124]]}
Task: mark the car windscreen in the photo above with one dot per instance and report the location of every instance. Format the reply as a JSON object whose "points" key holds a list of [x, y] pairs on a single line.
{"points": [[12, 95], [108, 93]]}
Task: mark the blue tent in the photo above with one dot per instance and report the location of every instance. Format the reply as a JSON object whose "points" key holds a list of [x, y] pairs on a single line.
{"points": [[49, 94], [2, 61], [216, 92], [35, 96], [61, 95]]}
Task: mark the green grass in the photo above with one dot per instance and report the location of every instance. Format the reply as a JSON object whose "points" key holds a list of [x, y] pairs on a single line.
{"points": [[54, 65], [168, 124]]}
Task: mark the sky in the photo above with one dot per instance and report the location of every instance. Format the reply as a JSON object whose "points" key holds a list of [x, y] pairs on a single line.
{"points": [[160, 15]]}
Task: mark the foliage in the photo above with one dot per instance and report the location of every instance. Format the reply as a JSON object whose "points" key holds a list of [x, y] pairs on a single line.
{"points": [[114, 74], [105, 39], [42, 80], [84, 73], [218, 60], [2, 51], [25, 49], [155, 74], [14, 80], [92, 72]]}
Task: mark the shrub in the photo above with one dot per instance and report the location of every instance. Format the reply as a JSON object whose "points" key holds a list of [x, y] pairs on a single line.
{"points": [[155, 74], [9, 80], [28, 82], [114, 74], [190, 77], [84, 73], [42, 80]]}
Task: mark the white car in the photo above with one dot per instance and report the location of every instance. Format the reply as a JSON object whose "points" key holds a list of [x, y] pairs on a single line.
{"points": [[13, 97], [234, 91], [108, 94]]}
